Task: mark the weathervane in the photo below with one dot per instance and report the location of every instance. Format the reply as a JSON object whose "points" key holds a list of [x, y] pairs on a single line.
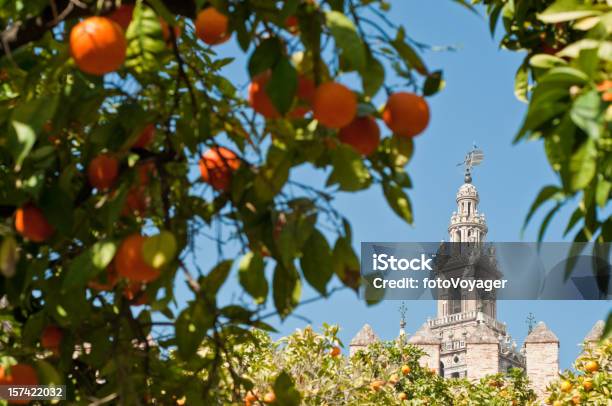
{"points": [[473, 158]]}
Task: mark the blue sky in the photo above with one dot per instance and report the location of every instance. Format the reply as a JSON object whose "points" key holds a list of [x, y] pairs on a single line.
{"points": [[477, 105]]}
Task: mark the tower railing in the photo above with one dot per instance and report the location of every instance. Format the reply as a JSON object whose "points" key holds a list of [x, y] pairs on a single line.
{"points": [[466, 316]]}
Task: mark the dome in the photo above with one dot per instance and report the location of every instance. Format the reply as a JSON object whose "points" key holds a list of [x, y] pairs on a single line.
{"points": [[467, 190]]}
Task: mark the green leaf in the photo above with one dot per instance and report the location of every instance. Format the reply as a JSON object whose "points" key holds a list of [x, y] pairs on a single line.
{"points": [[546, 221], [602, 193], [88, 265], [346, 263], [567, 10], [316, 262], [372, 76], [545, 61], [160, 249], [433, 84], [576, 216], [586, 113], [252, 277], [564, 76], [265, 56], [27, 120], [349, 171], [521, 83], [47, 374], [582, 166], [347, 39], [287, 289], [407, 53], [546, 193], [399, 201], [212, 282], [285, 391], [282, 85], [58, 209], [191, 327], [145, 40], [607, 331]]}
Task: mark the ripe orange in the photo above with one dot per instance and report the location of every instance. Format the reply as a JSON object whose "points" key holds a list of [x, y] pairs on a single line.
{"points": [[292, 24], [19, 375], [587, 385], [98, 45], [376, 385], [102, 171], [566, 386], [405, 369], [305, 95], [51, 338], [146, 170], [123, 15], [105, 282], [31, 223], [145, 138], [406, 114], [136, 202], [250, 397], [362, 134], [334, 105], [134, 292], [393, 379], [402, 396], [576, 399], [259, 99], [212, 26], [335, 352], [591, 366], [129, 262], [269, 397], [216, 167]]}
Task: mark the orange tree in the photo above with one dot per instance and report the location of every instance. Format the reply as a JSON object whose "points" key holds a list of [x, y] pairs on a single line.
{"points": [[105, 109], [386, 373]]}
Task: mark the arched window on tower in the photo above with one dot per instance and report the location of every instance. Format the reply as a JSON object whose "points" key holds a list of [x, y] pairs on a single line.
{"points": [[455, 300]]}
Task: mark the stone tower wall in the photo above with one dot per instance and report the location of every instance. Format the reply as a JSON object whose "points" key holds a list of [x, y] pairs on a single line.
{"points": [[431, 359], [542, 365], [481, 359]]}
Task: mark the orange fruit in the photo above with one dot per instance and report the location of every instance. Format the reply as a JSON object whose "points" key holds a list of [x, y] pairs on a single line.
{"points": [[134, 292], [51, 338], [98, 45], [377, 385], [406, 114], [19, 375], [402, 396], [259, 99], [576, 399], [145, 138], [362, 134], [145, 171], [587, 385], [566, 386], [305, 95], [105, 282], [102, 171], [292, 24], [216, 167], [591, 366], [123, 15], [129, 262], [393, 379], [269, 397], [334, 105], [335, 352], [32, 224], [212, 26], [136, 202], [405, 369]]}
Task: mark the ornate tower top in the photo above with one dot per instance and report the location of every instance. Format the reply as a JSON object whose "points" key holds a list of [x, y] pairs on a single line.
{"points": [[467, 224]]}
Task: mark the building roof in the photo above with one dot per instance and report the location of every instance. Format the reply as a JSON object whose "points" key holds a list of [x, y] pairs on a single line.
{"points": [[365, 336], [424, 335], [596, 332], [482, 334], [541, 334]]}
